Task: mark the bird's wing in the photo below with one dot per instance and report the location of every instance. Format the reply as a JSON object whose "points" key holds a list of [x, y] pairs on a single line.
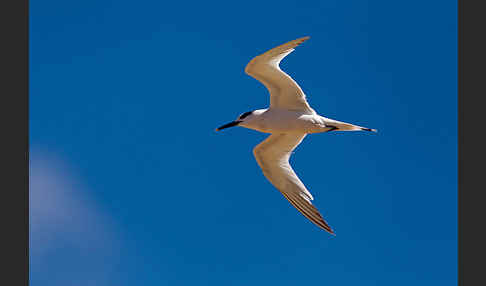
{"points": [[285, 93], [273, 157]]}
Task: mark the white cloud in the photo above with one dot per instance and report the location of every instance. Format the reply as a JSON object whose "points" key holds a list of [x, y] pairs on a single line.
{"points": [[72, 241]]}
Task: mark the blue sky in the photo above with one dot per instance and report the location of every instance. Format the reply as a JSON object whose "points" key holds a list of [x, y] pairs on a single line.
{"points": [[130, 185]]}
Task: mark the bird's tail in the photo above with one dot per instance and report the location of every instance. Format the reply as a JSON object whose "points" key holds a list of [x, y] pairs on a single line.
{"points": [[343, 126]]}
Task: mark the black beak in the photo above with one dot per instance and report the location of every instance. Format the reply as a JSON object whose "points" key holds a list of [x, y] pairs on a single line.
{"points": [[231, 124]]}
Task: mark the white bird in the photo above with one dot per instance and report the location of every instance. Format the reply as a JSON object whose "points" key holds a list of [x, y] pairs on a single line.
{"points": [[289, 119]]}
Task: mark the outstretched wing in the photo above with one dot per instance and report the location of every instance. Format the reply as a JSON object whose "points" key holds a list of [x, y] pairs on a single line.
{"points": [[273, 157], [285, 93]]}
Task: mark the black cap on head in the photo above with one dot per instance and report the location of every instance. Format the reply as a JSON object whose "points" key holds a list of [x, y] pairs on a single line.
{"points": [[245, 114]]}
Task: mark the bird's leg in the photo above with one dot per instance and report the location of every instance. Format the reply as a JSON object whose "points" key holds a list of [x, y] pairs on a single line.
{"points": [[332, 128]]}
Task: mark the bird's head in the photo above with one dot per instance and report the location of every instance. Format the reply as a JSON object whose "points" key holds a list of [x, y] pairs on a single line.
{"points": [[241, 120]]}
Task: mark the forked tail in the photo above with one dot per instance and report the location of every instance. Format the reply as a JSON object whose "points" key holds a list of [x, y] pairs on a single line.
{"points": [[343, 126]]}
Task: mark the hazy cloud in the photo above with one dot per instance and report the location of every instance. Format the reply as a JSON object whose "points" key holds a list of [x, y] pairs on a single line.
{"points": [[72, 241]]}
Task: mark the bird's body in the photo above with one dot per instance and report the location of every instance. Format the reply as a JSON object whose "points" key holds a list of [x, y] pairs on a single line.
{"points": [[273, 120], [289, 119]]}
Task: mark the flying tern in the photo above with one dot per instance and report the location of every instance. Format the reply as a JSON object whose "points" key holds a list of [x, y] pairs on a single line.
{"points": [[288, 119]]}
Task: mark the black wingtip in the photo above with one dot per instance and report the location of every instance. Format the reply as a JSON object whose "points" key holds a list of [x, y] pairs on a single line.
{"points": [[330, 231]]}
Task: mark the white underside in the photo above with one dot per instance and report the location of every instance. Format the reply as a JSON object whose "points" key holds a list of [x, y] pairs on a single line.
{"points": [[284, 121]]}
